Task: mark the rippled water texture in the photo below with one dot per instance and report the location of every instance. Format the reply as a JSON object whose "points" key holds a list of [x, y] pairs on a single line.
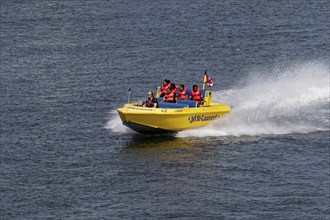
{"points": [[66, 66]]}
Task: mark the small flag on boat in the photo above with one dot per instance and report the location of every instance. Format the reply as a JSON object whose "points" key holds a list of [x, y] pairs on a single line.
{"points": [[208, 80]]}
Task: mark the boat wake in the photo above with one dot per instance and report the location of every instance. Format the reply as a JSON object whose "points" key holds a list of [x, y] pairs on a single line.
{"points": [[285, 100]]}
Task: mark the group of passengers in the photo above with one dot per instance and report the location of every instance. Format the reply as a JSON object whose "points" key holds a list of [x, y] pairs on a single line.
{"points": [[173, 93]]}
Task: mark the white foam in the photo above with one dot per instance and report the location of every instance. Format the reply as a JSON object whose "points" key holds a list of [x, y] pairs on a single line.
{"points": [[115, 124], [284, 100]]}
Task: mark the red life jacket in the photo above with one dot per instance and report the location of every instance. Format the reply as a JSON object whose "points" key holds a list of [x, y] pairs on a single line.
{"points": [[169, 97], [164, 88], [175, 89], [197, 96], [183, 94]]}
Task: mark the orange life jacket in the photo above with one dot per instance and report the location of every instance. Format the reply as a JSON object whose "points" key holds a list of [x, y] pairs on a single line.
{"points": [[164, 88], [183, 94], [197, 96], [175, 89], [169, 97]]}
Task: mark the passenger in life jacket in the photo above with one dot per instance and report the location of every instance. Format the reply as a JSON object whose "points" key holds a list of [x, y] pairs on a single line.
{"points": [[174, 88], [196, 94], [166, 84], [182, 93], [170, 96], [151, 102]]}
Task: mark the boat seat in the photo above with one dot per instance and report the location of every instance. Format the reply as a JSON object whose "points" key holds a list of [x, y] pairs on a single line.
{"points": [[171, 105], [190, 103]]}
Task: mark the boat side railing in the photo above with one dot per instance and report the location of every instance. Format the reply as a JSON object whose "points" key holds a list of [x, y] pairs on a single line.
{"points": [[171, 105], [190, 103]]}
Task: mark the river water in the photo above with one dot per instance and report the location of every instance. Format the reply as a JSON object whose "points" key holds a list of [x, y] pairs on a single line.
{"points": [[66, 66]]}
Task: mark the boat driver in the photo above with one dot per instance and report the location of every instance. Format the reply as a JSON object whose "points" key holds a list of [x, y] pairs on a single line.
{"points": [[151, 101]]}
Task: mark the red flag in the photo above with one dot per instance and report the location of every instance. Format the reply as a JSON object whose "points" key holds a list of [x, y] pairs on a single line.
{"points": [[208, 80]]}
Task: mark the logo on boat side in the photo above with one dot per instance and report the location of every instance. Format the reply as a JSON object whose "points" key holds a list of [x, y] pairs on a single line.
{"points": [[196, 118]]}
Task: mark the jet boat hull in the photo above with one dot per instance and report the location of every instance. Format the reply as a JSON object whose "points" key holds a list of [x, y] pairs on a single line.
{"points": [[164, 120]]}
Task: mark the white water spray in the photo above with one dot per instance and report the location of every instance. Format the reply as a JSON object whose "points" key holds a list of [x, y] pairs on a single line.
{"points": [[293, 99], [285, 100], [115, 124]]}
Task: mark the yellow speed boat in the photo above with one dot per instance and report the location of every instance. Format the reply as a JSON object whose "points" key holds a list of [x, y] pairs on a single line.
{"points": [[172, 117]]}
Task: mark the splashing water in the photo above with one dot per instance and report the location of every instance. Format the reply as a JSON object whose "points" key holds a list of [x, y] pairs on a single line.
{"points": [[285, 100], [115, 124], [293, 99]]}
